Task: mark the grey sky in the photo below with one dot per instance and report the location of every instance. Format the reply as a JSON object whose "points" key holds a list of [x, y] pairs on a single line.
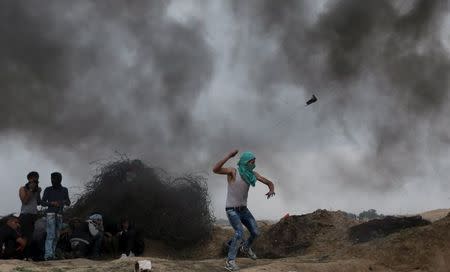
{"points": [[180, 83]]}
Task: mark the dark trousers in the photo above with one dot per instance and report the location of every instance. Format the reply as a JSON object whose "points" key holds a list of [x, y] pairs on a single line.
{"points": [[27, 228], [10, 251], [127, 242], [97, 242]]}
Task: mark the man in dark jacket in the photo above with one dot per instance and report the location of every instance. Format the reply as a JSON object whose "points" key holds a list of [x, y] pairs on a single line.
{"points": [[55, 198]]}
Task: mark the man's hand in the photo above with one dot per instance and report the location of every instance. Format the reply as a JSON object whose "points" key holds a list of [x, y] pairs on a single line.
{"points": [[218, 167], [233, 153], [270, 194], [54, 203], [21, 243]]}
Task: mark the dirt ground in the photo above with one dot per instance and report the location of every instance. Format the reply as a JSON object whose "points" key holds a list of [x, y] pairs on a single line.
{"points": [[321, 244], [293, 264]]}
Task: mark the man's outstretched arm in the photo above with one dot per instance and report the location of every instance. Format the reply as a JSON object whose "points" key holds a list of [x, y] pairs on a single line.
{"points": [[266, 182], [218, 167]]}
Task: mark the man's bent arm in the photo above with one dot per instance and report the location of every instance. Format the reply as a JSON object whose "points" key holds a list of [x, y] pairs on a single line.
{"points": [[266, 182], [24, 195], [218, 167]]}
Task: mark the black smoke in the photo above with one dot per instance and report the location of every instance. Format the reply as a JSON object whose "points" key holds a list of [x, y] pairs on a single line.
{"points": [[94, 76], [381, 65], [89, 77]]}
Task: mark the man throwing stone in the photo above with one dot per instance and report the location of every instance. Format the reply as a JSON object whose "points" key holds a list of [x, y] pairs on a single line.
{"points": [[239, 181]]}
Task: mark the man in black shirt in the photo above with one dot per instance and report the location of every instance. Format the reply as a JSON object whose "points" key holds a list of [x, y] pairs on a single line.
{"points": [[55, 198], [11, 241]]}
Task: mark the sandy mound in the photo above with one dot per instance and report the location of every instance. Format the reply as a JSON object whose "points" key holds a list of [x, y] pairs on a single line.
{"points": [[300, 234], [435, 215], [378, 228], [426, 248]]}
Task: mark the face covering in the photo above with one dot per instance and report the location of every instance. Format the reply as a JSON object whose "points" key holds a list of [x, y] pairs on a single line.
{"points": [[245, 169], [56, 184]]}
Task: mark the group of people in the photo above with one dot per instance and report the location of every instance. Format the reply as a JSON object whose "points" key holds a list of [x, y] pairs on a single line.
{"points": [[34, 235], [85, 237], [54, 198]]}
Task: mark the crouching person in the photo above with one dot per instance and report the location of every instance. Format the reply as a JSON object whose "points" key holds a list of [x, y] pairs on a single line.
{"points": [[12, 243], [96, 230], [130, 242], [80, 239]]}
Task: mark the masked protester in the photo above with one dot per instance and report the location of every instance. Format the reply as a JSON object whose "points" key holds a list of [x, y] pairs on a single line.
{"points": [[95, 223], [30, 196], [55, 198], [239, 182]]}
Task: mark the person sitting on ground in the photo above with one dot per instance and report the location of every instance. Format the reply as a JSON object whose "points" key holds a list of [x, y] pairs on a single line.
{"points": [[80, 239], [130, 244], [12, 243], [95, 223]]}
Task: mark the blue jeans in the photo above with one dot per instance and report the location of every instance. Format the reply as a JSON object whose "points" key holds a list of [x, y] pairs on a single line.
{"points": [[54, 225], [237, 218]]}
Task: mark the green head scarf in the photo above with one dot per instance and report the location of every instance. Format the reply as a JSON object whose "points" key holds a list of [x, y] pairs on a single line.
{"points": [[246, 169]]}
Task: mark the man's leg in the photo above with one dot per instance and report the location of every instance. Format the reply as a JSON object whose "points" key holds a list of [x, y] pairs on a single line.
{"points": [[250, 223], [131, 238], [97, 244], [235, 222], [122, 242], [51, 236], [27, 228], [58, 227]]}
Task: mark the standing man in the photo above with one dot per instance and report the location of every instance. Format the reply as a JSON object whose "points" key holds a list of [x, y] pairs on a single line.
{"points": [[239, 181], [55, 198], [30, 196]]}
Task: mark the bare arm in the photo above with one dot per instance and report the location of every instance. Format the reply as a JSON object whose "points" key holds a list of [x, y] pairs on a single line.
{"points": [[266, 182], [218, 167], [24, 195], [39, 200]]}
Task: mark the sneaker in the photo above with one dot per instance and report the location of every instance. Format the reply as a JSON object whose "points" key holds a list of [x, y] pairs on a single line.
{"points": [[249, 252], [231, 265], [123, 256]]}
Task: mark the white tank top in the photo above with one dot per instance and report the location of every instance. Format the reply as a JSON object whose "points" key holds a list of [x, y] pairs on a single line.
{"points": [[237, 192]]}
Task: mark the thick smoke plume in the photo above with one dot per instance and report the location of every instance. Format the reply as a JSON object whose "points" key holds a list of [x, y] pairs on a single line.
{"points": [[81, 79], [383, 67], [126, 74]]}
